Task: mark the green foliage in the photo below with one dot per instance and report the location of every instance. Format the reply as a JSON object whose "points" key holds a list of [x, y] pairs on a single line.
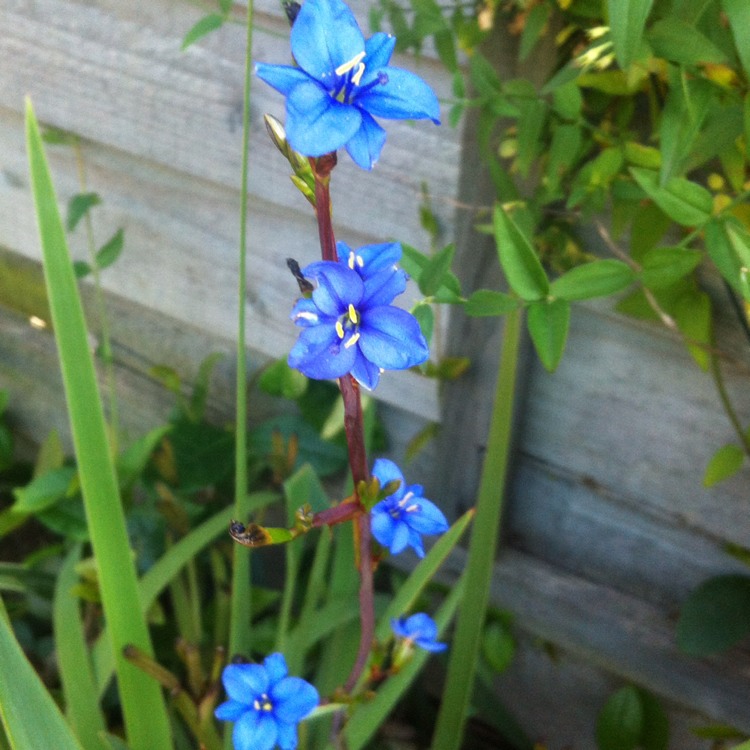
{"points": [[715, 616], [632, 718]]}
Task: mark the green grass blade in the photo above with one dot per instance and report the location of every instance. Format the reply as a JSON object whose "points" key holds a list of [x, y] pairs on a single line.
{"points": [[368, 717], [140, 695], [79, 687], [167, 567], [30, 717], [481, 558]]}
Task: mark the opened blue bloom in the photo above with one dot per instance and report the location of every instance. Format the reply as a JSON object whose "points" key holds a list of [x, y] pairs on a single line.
{"points": [[400, 520], [349, 324], [341, 82], [420, 629], [265, 704]]}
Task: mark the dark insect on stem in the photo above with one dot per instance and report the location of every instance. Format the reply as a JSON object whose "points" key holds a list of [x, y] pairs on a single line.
{"points": [[304, 285]]}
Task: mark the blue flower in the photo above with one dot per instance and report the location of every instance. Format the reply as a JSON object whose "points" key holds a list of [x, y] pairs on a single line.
{"points": [[265, 704], [420, 629], [399, 521], [349, 323], [341, 82]]}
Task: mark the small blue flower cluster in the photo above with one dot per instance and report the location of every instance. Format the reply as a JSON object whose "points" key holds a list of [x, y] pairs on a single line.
{"points": [[350, 326]]}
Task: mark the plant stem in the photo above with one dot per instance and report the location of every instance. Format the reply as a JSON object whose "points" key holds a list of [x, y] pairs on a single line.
{"points": [[239, 625], [355, 434], [482, 549]]}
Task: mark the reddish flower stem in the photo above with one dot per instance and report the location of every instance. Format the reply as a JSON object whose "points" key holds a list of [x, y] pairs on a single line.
{"points": [[355, 434]]}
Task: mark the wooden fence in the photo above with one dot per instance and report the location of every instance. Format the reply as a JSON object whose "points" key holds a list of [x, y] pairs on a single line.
{"points": [[608, 527]]}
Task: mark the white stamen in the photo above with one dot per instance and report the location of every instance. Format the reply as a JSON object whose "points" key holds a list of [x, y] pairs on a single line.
{"points": [[352, 341], [347, 66], [306, 315], [357, 77]]}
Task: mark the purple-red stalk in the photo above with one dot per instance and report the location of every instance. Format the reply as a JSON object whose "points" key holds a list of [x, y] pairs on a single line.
{"points": [[355, 434]]}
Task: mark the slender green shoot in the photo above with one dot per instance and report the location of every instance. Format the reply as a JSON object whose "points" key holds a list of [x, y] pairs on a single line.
{"points": [[140, 695], [459, 680]]}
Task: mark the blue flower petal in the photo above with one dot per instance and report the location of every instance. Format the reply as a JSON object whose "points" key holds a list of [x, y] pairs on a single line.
{"points": [[275, 665], [428, 519], [386, 471], [305, 313], [365, 372], [366, 144], [243, 682], [319, 354], [383, 287], [325, 35], [287, 738], [293, 699], [230, 710], [379, 257], [405, 96], [316, 124], [392, 339], [255, 731], [379, 48], [337, 287], [400, 540], [382, 524], [282, 77]]}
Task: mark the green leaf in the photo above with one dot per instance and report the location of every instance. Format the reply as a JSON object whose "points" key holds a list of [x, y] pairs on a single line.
{"points": [[725, 463], [664, 266], [79, 687], [743, 746], [599, 278], [414, 262], [426, 319], [738, 13], [278, 379], [721, 249], [715, 616], [483, 76], [498, 646], [620, 723], [140, 694], [29, 715], [435, 272], [78, 206], [655, 734], [110, 251], [536, 20], [686, 202], [692, 312], [548, 322], [44, 491], [680, 42], [485, 302], [132, 462], [206, 25], [531, 122], [518, 258], [627, 19]]}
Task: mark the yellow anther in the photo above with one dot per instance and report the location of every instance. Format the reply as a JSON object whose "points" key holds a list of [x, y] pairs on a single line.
{"points": [[339, 329], [357, 77], [352, 341], [353, 314], [347, 66], [351, 260]]}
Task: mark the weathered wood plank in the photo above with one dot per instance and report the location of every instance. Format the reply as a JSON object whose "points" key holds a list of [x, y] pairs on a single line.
{"points": [[180, 255], [113, 73]]}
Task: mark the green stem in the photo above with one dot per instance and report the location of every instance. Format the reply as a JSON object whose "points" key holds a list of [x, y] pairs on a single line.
{"points": [[105, 349], [239, 625], [482, 549], [727, 404]]}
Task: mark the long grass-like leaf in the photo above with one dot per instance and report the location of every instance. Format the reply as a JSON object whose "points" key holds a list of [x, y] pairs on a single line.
{"points": [[144, 709], [79, 687], [459, 681], [167, 567], [30, 717]]}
